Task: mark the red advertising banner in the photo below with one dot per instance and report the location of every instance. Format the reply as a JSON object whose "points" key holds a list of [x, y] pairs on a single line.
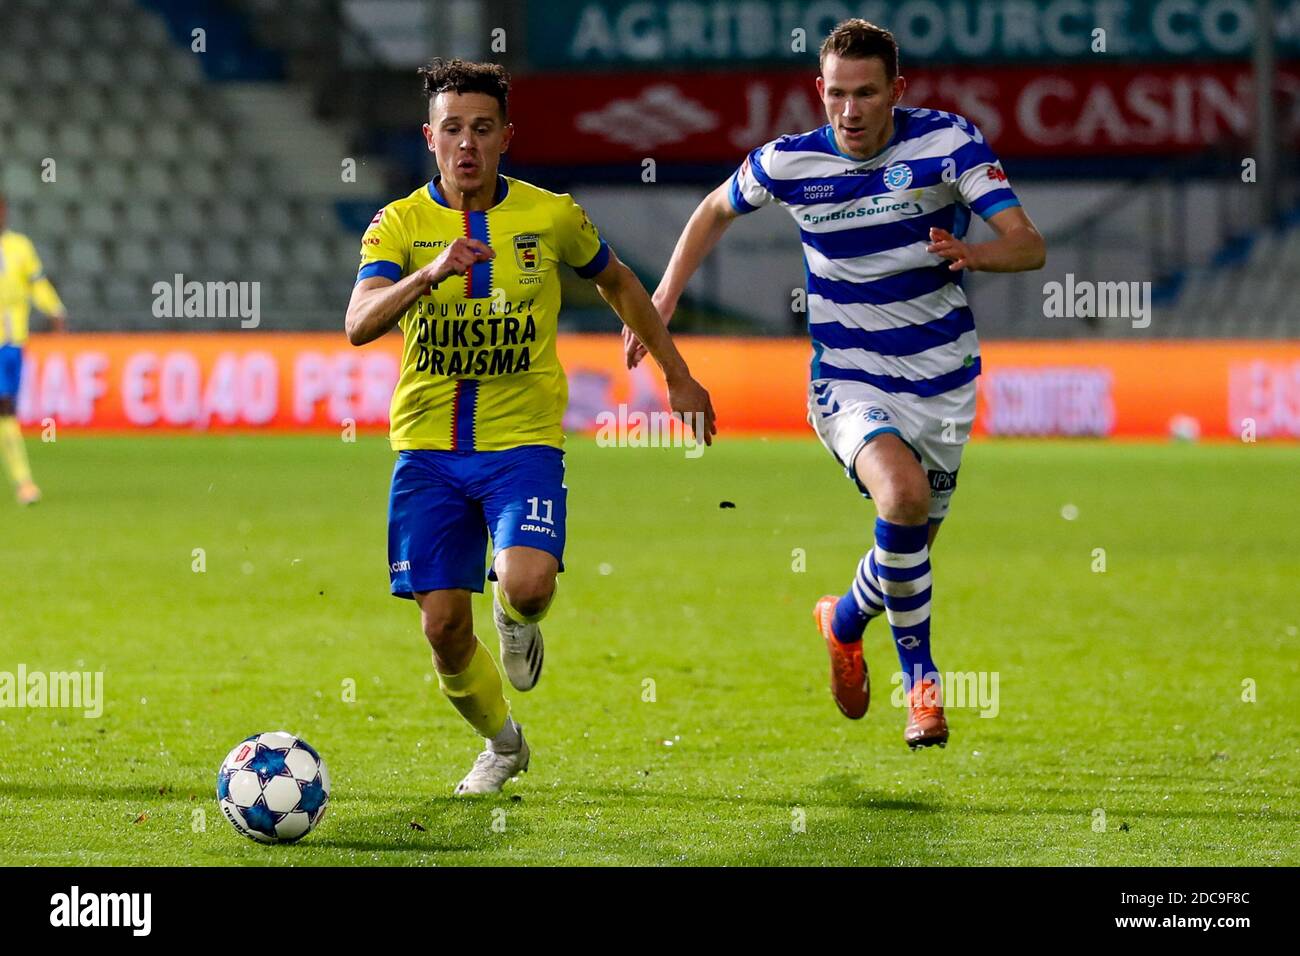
{"points": [[256, 381], [585, 118]]}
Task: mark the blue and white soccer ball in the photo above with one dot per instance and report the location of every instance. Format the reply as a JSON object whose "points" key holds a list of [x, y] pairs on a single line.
{"points": [[273, 787]]}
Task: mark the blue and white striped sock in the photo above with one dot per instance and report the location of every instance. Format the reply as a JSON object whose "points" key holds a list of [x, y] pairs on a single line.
{"points": [[901, 561], [862, 602]]}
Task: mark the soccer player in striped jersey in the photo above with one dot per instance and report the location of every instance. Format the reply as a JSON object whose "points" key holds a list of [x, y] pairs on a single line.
{"points": [[467, 266], [882, 195], [22, 283]]}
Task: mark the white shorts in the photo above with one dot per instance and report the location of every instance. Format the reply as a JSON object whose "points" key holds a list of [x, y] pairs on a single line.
{"points": [[846, 415]]}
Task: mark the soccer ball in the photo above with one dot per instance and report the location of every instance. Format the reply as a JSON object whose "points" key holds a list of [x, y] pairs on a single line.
{"points": [[273, 787], [1184, 428]]}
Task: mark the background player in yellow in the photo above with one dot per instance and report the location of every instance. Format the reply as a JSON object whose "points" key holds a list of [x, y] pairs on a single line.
{"points": [[22, 282], [467, 267]]}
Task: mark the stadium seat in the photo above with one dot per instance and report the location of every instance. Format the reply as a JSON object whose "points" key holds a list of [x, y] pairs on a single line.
{"points": [[109, 178], [95, 218], [244, 178], [126, 292], [183, 215], [15, 67], [129, 101], [152, 180], [67, 31], [98, 67], [311, 255], [230, 217], [50, 219], [119, 139], [111, 32], [266, 256], [207, 139], [142, 217], [163, 141], [87, 257], [270, 219], [137, 255], [197, 177], [32, 141], [179, 254]]}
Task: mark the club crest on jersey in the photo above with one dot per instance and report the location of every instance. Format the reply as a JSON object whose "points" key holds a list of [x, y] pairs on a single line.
{"points": [[527, 248], [898, 176]]}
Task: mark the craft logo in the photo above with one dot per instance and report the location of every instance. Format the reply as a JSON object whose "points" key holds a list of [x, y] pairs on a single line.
{"points": [[526, 250]]}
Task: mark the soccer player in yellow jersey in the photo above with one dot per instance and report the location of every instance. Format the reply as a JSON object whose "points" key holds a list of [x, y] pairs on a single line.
{"points": [[467, 266], [22, 282]]}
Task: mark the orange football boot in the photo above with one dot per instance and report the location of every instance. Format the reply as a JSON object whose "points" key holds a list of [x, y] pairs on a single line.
{"points": [[926, 725], [850, 683]]}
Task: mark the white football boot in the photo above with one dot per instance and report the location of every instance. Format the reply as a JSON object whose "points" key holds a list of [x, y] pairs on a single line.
{"points": [[491, 770], [522, 650]]}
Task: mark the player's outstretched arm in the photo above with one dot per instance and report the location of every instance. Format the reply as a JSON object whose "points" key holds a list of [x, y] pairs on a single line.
{"points": [[46, 298], [703, 230], [377, 304], [620, 287], [1019, 246]]}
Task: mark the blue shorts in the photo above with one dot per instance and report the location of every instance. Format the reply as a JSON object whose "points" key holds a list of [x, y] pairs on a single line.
{"points": [[11, 370], [444, 504]]}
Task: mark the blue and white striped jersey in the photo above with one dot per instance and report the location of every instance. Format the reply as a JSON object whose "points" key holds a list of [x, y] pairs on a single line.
{"points": [[881, 309]]}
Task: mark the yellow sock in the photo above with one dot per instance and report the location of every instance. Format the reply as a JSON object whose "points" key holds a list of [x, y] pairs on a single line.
{"points": [[476, 693], [518, 618], [13, 451]]}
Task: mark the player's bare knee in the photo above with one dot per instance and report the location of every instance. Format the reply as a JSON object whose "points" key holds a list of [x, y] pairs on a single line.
{"points": [[448, 629], [904, 503], [529, 593]]}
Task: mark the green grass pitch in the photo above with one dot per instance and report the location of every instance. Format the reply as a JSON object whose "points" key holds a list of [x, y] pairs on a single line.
{"points": [[1121, 737]]}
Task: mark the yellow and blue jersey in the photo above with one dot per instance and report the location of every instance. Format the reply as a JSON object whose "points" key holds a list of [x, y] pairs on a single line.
{"points": [[479, 365], [22, 282]]}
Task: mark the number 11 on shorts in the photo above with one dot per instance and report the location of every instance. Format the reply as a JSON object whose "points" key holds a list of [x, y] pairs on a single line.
{"points": [[533, 510]]}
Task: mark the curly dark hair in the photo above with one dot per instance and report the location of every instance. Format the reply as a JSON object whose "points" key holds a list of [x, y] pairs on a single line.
{"points": [[464, 76], [857, 40]]}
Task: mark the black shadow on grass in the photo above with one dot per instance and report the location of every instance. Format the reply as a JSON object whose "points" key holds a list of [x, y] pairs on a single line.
{"points": [[839, 792], [55, 790], [462, 820], [373, 846]]}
